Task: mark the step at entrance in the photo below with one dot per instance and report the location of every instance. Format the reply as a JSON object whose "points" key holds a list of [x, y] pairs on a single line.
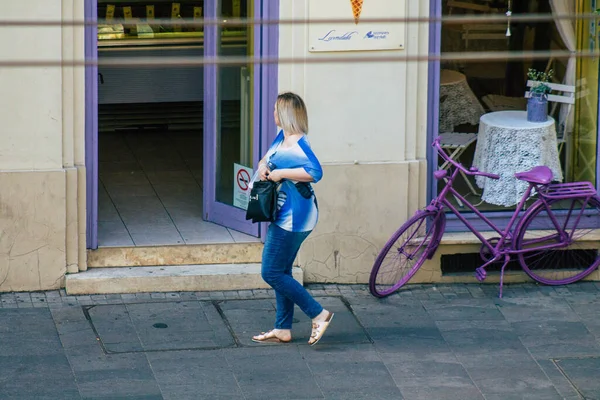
{"points": [[230, 253], [211, 277]]}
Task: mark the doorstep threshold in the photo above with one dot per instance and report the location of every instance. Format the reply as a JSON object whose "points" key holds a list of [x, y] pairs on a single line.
{"points": [[189, 254]]}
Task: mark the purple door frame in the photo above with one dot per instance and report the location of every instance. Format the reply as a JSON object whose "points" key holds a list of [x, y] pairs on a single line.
{"points": [[453, 224], [265, 93], [91, 124]]}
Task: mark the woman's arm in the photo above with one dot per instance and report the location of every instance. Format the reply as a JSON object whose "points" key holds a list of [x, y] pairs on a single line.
{"points": [[294, 174]]}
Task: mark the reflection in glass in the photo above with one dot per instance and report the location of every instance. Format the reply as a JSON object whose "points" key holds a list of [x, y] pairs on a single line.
{"points": [[235, 102]]}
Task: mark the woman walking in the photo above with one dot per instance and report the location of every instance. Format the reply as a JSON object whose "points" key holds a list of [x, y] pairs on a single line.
{"points": [[291, 161]]}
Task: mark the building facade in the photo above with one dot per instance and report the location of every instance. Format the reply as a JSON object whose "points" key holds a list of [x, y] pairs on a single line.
{"points": [[91, 153]]}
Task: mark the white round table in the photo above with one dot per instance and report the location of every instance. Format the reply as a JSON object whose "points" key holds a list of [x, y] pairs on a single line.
{"points": [[458, 103], [506, 144]]}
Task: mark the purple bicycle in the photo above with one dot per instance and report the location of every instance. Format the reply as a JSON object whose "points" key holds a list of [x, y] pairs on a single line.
{"points": [[547, 239]]}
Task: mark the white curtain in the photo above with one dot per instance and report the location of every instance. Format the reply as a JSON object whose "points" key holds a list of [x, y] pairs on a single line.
{"points": [[566, 28]]}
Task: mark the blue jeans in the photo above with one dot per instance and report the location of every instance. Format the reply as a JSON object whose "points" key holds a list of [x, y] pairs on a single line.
{"points": [[278, 257]]}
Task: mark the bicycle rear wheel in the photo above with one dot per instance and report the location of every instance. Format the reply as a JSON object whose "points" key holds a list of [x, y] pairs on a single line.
{"points": [[562, 264], [405, 252]]}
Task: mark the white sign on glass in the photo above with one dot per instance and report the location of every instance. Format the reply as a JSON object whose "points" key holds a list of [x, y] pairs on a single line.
{"points": [[358, 34], [241, 187]]}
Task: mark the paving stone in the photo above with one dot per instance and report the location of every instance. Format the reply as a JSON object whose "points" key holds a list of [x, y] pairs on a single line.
{"points": [[563, 291], [583, 373], [450, 295], [458, 288], [276, 372], [54, 299], [205, 375], [127, 382], [23, 297], [485, 338], [459, 309], [37, 377], [217, 295], [476, 292], [434, 380], [160, 326], [353, 380], [531, 309], [435, 296], [232, 294], [510, 375], [558, 379], [260, 293], [203, 295], [245, 294], [28, 332], [126, 297], [421, 295]]}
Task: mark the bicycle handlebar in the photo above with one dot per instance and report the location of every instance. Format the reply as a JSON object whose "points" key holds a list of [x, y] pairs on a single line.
{"points": [[471, 171]]}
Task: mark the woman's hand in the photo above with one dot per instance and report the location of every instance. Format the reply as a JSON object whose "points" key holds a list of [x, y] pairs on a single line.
{"points": [[263, 172], [275, 175]]}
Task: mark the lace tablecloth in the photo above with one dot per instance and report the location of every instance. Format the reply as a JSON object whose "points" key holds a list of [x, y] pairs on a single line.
{"points": [[506, 144], [458, 103]]}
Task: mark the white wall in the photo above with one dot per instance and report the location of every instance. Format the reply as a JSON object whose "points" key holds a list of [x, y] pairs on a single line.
{"points": [[31, 104], [368, 128]]}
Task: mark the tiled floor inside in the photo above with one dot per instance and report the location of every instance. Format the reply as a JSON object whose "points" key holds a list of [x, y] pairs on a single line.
{"points": [[150, 191]]}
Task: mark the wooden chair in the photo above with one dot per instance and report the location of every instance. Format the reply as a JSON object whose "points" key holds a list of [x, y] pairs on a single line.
{"points": [[485, 31]]}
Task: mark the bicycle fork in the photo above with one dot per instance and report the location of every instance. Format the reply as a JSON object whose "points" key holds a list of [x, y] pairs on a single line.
{"points": [[481, 273]]}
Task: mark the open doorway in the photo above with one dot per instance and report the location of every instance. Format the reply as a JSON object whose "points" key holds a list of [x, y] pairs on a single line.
{"points": [[152, 124]]}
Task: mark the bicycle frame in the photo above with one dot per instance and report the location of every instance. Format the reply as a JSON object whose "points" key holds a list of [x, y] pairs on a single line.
{"points": [[505, 246], [505, 236]]}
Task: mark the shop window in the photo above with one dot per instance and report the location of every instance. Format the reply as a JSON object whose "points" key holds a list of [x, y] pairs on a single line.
{"points": [[473, 93]]}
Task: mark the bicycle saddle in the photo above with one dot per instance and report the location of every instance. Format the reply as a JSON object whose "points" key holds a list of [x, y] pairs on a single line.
{"points": [[541, 175]]}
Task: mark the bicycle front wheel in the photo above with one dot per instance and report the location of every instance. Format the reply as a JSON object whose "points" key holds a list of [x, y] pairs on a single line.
{"points": [[405, 252], [569, 259]]}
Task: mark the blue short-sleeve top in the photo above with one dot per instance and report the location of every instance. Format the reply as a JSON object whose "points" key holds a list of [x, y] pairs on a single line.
{"points": [[294, 212]]}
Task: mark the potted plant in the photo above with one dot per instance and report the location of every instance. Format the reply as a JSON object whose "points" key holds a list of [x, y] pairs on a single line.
{"points": [[537, 103]]}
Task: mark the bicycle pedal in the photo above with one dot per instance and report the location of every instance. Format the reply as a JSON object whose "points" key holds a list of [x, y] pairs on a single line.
{"points": [[480, 274]]}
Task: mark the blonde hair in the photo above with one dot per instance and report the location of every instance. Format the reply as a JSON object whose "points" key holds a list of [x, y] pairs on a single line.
{"points": [[291, 112]]}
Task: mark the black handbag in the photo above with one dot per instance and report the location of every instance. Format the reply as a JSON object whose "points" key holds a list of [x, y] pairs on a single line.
{"points": [[262, 204]]}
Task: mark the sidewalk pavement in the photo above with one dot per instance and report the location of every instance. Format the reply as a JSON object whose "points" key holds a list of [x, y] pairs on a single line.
{"points": [[427, 342]]}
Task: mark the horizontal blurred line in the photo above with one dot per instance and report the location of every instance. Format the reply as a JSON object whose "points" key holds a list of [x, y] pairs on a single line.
{"points": [[450, 19], [237, 61]]}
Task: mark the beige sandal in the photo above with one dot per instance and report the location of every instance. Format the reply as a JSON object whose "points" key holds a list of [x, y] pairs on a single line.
{"points": [[269, 337], [319, 328]]}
